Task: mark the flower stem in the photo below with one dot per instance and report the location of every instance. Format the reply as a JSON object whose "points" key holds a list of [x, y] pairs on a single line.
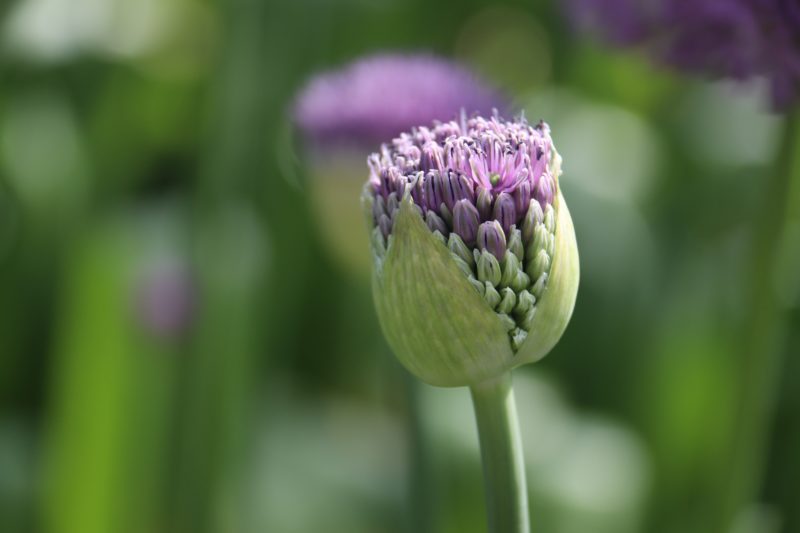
{"points": [[501, 453], [763, 341]]}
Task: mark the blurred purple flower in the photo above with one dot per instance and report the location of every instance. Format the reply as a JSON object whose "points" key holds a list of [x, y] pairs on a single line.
{"points": [[379, 96], [718, 38], [166, 302]]}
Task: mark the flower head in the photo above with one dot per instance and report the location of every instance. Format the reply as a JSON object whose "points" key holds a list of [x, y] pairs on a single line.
{"points": [[475, 256], [377, 97], [719, 38]]}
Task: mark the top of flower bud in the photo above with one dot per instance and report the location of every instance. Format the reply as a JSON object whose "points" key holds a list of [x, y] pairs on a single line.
{"points": [[497, 165], [475, 254], [376, 97]]}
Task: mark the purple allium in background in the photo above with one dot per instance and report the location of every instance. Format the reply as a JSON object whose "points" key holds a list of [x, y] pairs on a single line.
{"points": [[165, 301], [485, 188], [718, 38], [379, 96]]}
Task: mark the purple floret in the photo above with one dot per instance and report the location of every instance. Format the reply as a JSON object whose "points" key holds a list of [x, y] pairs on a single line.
{"points": [[467, 172]]}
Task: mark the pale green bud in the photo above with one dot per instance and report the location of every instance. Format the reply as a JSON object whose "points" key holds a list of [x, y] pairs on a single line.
{"points": [[507, 321], [392, 203], [533, 218], [551, 244], [540, 237], [491, 295], [511, 267], [447, 216], [540, 286], [521, 281], [525, 301], [479, 286], [489, 268], [539, 265], [550, 219], [518, 337], [463, 266], [457, 246], [527, 321], [378, 242], [515, 245], [508, 301]]}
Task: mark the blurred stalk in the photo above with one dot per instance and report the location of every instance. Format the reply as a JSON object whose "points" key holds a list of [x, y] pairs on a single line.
{"points": [[764, 333], [421, 493], [229, 252], [108, 423], [501, 455]]}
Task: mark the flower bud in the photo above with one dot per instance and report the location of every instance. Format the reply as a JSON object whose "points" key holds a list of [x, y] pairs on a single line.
{"points": [[507, 321], [540, 265], [525, 301], [522, 198], [460, 249], [540, 285], [385, 223], [491, 237], [491, 295], [532, 218], [447, 215], [518, 336], [392, 204], [463, 266], [455, 306], [433, 190], [466, 221], [549, 219], [489, 268], [435, 223], [510, 267], [504, 211], [378, 208], [455, 187], [378, 242], [508, 301], [484, 203], [515, 245]]}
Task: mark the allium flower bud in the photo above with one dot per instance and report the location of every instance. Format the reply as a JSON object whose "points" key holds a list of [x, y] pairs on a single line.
{"points": [[466, 221], [435, 223], [491, 237], [522, 198], [504, 211], [484, 202], [486, 280]]}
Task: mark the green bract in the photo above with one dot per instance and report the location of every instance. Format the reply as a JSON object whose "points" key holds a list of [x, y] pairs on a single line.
{"points": [[440, 327]]}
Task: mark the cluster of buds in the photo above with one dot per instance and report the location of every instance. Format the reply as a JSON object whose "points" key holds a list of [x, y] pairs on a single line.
{"points": [[486, 190]]}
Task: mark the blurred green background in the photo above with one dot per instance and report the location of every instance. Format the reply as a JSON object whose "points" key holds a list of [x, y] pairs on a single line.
{"points": [[181, 349]]}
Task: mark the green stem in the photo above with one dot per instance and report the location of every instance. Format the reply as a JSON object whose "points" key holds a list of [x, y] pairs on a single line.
{"points": [[501, 453], [421, 493], [763, 342]]}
